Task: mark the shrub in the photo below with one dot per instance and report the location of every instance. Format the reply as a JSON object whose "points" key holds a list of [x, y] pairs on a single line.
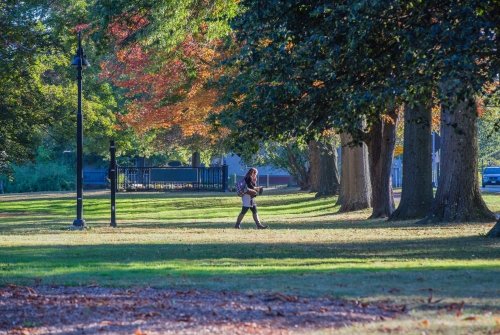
{"points": [[49, 176]]}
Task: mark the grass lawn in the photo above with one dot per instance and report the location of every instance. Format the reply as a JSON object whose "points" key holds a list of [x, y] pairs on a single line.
{"points": [[187, 241]]}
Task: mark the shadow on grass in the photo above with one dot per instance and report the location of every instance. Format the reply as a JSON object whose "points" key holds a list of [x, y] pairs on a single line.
{"points": [[147, 206], [456, 248], [345, 282], [48, 224], [247, 224]]}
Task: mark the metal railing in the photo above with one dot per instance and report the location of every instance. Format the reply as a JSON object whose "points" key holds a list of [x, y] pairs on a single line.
{"points": [[184, 178], [265, 180]]}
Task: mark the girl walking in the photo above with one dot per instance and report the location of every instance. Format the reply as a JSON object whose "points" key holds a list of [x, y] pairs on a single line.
{"points": [[248, 199]]}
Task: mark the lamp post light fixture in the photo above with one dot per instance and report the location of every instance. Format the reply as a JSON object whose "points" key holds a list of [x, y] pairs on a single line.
{"points": [[79, 61]]}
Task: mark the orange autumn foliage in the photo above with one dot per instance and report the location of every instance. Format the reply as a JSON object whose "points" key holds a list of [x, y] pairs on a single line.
{"points": [[164, 89], [489, 88]]}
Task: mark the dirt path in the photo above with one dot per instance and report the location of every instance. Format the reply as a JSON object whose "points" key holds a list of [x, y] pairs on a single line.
{"points": [[95, 310]]}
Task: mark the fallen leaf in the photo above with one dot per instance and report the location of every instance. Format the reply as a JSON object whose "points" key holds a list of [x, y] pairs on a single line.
{"points": [[385, 330], [455, 306], [146, 315], [25, 331], [138, 331], [184, 318], [31, 291], [282, 297], [389, 330], [470, 318]]}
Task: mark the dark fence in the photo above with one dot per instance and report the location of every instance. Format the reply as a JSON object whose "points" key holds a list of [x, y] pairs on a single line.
{"points": [[265, 180], [172, 178]]}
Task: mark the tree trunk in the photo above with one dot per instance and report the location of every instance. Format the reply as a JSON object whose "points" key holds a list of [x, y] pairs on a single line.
{"points": [[314, 162], [196, 159], [381, 143], [416, 196], [328, 172], [300, 172], [495, 231], [457, 197], [355, 189]]}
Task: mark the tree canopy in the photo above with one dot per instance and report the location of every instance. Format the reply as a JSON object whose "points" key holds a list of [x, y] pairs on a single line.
{"points": [[38, 85], [307, 66]]}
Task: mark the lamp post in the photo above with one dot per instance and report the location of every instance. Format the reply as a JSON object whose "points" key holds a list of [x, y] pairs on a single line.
{"points": [[79, 61], [112, 177]]}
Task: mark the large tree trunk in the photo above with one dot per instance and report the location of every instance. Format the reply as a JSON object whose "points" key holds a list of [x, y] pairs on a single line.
{"points": [[416, 196], [495, 231], [314, 162], [328, 172], [355, 189], [457, 197], [381, 143], [324, 174]]}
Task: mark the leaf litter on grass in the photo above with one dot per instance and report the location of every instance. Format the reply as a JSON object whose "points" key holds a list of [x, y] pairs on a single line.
{"points": [[62, 310]]}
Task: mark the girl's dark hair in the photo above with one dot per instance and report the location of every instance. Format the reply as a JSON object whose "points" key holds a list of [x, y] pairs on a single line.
{"points": [[250, 172]]}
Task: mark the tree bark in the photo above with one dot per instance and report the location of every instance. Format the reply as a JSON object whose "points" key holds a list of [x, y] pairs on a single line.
{"points": [[328, 177], [355, 189], [314, 162], [416, 195], [196, 159], [457, 197], [381, 143], [495, 231]]}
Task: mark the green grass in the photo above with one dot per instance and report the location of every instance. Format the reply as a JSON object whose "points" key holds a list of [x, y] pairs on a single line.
{"points": [[187, 241]]}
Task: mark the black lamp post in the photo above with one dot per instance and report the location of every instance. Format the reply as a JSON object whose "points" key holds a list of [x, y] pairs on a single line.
{"points": [[79, 61]]}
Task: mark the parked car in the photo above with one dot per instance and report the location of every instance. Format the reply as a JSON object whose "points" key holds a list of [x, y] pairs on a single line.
{"points": [[491, 175]]}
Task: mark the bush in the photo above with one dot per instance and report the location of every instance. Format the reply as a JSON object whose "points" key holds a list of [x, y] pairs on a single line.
{"points": [[50, 176]]}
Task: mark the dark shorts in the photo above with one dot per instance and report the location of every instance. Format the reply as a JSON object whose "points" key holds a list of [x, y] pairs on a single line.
{"points": [[244, 210]]}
